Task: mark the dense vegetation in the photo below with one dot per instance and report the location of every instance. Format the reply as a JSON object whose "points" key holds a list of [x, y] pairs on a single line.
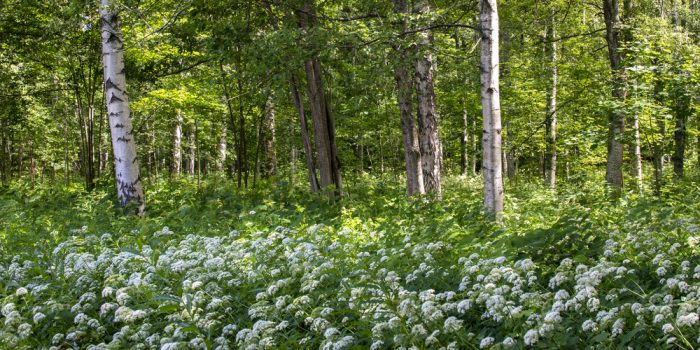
{"points": [[404, 174], [275, 268]]}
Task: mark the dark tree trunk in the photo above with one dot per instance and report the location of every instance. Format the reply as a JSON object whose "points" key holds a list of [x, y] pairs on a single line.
{"points": [[616, 119], [682, 111], [324, 126], [405, 88]]}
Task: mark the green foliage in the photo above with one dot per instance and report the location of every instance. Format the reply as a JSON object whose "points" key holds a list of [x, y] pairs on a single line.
{"points": [[214, 266]]}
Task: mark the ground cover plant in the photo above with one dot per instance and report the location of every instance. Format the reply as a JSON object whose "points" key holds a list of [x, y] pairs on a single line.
{"points": [[272, 269]]}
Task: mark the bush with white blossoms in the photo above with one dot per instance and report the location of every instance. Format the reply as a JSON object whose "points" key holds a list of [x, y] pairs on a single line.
{"points": [[322, 287]]}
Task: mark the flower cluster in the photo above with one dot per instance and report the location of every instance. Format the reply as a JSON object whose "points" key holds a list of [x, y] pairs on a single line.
{"points": [[319, 288]]}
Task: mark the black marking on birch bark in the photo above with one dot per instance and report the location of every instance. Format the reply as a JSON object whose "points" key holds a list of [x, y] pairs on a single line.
{"points": [[123, 139], [119, 160], [134, 162], [115, 99], [110, 85], [114, 38], [118, 125]]}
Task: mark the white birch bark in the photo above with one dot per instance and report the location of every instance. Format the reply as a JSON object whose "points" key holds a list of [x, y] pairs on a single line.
{"points": [[126, 165], [221, 161], [491, 109], [176, 166]]}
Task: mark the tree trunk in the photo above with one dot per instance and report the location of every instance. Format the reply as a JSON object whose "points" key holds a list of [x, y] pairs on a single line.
{"points": [[491, 110], [296, 99], [191, 149], [305, 139], [429, 139], [270, 138], [637, 171], [405, 88], [682, 110], [616, 119], [176, 166], [324, 128], [464, 142], [550, 122], [510, 168], [474, 147], [221, 161], [126, 166]]}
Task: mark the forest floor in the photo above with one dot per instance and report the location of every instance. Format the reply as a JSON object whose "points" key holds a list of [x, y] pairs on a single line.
{"points": [[213, 267]]}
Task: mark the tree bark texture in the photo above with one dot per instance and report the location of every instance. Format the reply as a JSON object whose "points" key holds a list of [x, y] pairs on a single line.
{"points": [[324, 126], [270, 138], [550, 122], [405, 88], [176, 165], [682, 111], [126, 165], [305, 138], [222, 150], [491, 109], [429, 139], [616, 118]]}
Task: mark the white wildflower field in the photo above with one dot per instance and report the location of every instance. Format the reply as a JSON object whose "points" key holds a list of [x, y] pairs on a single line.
{"points": [[351, 287]]}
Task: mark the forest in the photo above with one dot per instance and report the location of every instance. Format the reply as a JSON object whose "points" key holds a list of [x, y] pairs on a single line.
{"points": [[349, 174]]}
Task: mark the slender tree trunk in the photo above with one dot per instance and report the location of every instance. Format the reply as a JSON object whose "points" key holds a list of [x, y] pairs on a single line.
{"points": [[474, 147], [464, 143], [305, 139], [659, 139], [221, 161], [510, 168], [259, 144], [195, 138], [191, 149], [616, 120], [176, 166], [429, 139], [270, 138], [682, 110], [325, 158], [550, 122], [491, 109], [126, 166], [637, 171]]}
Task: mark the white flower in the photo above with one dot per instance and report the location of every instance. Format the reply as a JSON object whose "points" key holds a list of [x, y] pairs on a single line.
{"points": [[637, 308], [589, 326], [452, 324], [57, 338], [687, 320], [508, 342], [618, 327], [667, 328], [531, 337], [330, 332], [24, 330], [21, 291], [378, 344], [552, 317], [38, 317], [661, 271], [486, 342]]}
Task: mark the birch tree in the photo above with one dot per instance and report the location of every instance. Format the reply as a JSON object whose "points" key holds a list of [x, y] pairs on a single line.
{"points": [[429, 139], [491, 109], [126, 165]]}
